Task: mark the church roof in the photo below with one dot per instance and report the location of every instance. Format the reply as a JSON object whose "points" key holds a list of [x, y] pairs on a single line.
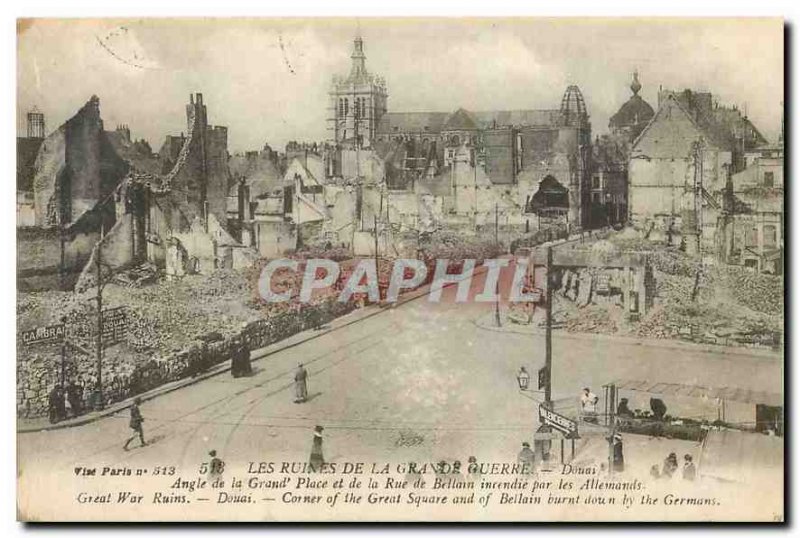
{"points": [[518, 118], [392, 122], [460, 120]]}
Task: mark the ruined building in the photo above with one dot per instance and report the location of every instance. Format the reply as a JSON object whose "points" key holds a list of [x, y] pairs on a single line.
{"points": [[477, 160], [197, 165], [608, 197], [176, 219], [680, 166], [77, 169], [27, 150]]}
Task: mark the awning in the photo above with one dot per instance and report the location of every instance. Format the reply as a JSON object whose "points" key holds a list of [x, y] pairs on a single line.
{"points": [[733, 394], [739, 456]]}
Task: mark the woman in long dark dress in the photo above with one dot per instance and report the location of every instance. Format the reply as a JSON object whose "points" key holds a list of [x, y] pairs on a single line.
{"points": [[317, 459]]}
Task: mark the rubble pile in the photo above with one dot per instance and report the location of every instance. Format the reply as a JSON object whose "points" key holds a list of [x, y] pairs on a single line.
{"points": [[138, 276], [589, 319], [733, 305], [449, 246], [759, 292]]}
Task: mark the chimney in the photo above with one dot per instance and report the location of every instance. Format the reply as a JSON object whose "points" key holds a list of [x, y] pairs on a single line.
{"points": [[241, 204]]}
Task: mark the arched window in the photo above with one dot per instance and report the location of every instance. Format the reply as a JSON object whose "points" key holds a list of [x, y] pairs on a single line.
{"points": [[455, 140], [341, 107]]}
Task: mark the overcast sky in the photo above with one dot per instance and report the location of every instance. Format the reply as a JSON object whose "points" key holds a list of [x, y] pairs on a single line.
{"points": [[267, 81]]}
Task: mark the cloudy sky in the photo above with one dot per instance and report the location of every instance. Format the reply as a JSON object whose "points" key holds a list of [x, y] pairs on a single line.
{"points": [[267, 80]]}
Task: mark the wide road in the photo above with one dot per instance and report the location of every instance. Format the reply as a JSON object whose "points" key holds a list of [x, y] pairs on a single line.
{"points": [[418, 382]]}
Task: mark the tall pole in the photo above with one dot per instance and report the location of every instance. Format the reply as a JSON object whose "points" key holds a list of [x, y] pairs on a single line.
{"points": [[63, 364], [61, 277], [497, 302], [99, 330], [548, 339], [496, 223], [375, 233]]}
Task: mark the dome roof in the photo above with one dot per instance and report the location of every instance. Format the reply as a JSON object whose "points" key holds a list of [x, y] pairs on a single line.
{"points": [[636, 112], [572, 104]]}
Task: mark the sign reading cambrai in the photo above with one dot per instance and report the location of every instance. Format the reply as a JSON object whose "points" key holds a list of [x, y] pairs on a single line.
{"points": [[566, 426], [41, 335]]}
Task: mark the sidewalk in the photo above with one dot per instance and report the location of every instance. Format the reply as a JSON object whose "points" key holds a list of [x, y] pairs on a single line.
{"points": [[25, 425], [487, 322]]}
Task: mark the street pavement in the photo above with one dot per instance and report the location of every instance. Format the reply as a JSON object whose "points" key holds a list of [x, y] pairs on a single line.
{"points": [[418, 382]]}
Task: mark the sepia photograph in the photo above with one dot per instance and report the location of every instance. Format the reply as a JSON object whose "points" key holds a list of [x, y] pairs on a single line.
{"points": [[399, 269]]}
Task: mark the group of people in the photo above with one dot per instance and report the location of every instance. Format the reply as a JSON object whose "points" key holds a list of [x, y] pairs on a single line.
{"points": [[670, 468], [70, 402]]}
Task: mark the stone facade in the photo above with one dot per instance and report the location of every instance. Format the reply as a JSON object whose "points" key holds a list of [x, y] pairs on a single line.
{"points": [[357, 102]]}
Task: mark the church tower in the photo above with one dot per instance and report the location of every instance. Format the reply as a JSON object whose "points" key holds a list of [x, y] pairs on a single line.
{"points": [[357, 102]]}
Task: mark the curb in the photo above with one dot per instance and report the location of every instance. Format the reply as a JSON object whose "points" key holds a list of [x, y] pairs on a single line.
{"points": [[256, 354], [644, 342]]}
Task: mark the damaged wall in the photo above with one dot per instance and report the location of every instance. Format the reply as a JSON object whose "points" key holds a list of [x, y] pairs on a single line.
{"points": [[76, 168]]}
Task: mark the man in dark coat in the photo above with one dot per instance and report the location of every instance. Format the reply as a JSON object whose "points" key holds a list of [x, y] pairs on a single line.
{"points": [[136, 424], [56, 406], [527, 457], [75, 397], [658, 408], [670, 465], [317, 459], [623, 410], [300, 384], [618, 461]]}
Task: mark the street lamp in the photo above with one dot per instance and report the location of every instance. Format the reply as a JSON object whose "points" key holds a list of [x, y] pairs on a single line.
{"points": [[497, 302], [523, 378]]}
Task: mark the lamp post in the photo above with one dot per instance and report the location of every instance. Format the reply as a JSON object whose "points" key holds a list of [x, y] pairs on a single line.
{"points": [[497, 302], [523, 378]]}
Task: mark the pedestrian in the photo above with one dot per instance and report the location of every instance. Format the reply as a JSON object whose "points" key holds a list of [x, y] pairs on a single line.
{"points": [[589, 405], [237, 366], [654, 472], [87, 394], [300, 384], [215, 466], [658, 408], [527, 458], [75, 392], [54, 402], [670, 465], [244, 357], [618, 460], [689, 471], [136, 423], [317, 460], [623, 410], [473, 469], [67, 405]]}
